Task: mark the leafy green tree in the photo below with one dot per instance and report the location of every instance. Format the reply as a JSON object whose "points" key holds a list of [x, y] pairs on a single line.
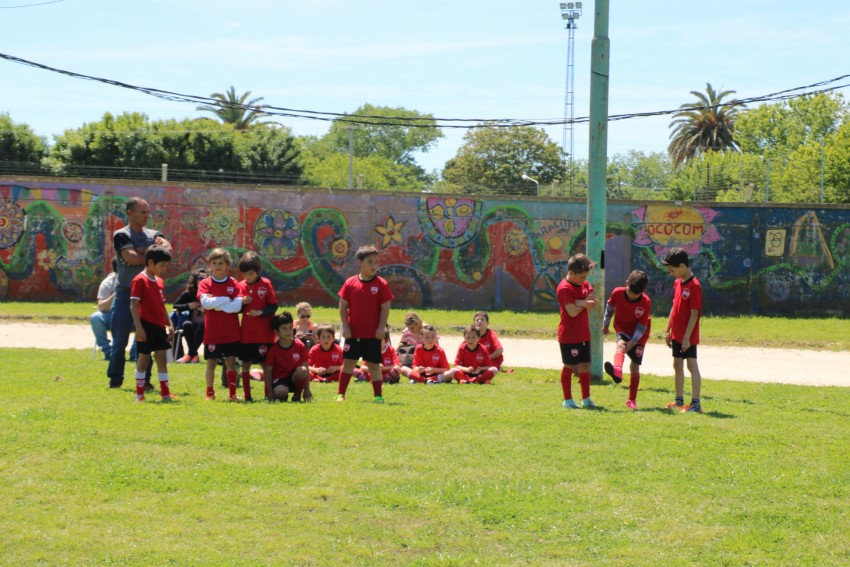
{"points": [[371, 172], [637, 174], [234, 109], [494, 159], [270, 148], [18, 142], [707, 125]]}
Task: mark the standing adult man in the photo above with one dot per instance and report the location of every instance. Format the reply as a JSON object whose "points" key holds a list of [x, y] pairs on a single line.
{"points": [[131, 243]]}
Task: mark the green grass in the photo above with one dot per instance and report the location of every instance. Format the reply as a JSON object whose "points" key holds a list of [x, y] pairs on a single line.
{"points": [[772, 332], [442, 475]]}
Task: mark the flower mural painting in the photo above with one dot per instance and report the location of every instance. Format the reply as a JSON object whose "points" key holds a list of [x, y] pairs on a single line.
{"points": [[11, 224], [448, 221], [277, 234], [390, 232], [665, 227]]}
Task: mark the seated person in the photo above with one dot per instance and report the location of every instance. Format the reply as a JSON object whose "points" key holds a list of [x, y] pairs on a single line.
{"points": [[489, 339], [101, 320], [193, 322], [325, 358]]}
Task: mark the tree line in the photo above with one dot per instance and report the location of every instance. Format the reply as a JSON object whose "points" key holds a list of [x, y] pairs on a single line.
{"points": [[788, 151]]}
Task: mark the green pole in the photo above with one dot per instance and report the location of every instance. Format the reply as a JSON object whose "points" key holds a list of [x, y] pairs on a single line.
{"points": [[821, 174], [597, 168]]}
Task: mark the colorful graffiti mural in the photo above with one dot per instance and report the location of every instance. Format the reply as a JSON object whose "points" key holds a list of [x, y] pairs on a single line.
{"points": [[447, 251]]}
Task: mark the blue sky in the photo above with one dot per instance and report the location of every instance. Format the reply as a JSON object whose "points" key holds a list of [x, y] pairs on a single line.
{"points": [[453, 59]]}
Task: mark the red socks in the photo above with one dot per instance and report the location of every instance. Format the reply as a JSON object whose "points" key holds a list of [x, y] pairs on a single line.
{"points": [[377, 387], [567, 382], [344, 379], [231, 382], [584, 381], [633, 386], [246, 384], [619, 357]]}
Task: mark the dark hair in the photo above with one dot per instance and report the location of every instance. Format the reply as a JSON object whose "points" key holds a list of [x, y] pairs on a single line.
{"points": [[481, 314], [676, 257], [250, 262], [281, 319], [579, 264], [114, 264], [157, 254], [195, 277], [131, 203], [324, 328], [472, 329], [637, 281], [364, 252]]}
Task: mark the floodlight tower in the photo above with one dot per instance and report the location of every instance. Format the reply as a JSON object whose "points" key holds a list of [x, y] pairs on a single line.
{"points": [[570, 12]]}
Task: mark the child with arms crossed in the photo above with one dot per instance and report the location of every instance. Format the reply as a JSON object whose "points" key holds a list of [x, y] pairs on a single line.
{"points": [[259, 304], [575, 298]]}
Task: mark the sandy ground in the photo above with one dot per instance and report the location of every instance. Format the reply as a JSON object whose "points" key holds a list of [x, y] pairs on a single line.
{"points": [[805, 367]]}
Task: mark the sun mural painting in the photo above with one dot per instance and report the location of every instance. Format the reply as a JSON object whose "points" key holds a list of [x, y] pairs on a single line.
{"points": [[664, 227], [450, 222]]}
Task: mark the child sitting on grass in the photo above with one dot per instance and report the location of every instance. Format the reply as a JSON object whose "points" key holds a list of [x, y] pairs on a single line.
{"points": [[430, 365], [489, 339], [472, 363], [325, 358]]}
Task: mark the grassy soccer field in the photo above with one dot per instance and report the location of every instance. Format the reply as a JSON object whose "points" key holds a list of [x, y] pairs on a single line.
{"points": [[439, 475]]}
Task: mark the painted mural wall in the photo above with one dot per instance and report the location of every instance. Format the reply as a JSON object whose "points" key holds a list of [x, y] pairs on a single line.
{"points": [[459, 252]]}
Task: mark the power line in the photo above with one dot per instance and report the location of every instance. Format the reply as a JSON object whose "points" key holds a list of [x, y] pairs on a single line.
{"points": [[31, 5], [428, 121]]}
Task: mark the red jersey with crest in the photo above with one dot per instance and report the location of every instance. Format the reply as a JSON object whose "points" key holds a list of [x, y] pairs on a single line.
{"points": [[389, 357], [257, 329], [321, 358], [434, 358], [490, 341], [629, 314], [572, 330], [284, 361], [365, 299], [219, 327], [151, 296], [473, 358], [687, 295]]}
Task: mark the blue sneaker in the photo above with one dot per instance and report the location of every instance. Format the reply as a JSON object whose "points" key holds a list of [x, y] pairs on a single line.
{"points": [[692, 409], [587, 403], [569, 404]]}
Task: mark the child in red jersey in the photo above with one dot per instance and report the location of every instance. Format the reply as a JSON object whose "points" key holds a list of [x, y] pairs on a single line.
{"points": [[153, 325], [575, 298], [682, 333], [389, 361], [364, 306], [285, 368], [472, 363], [489, 339], [259, 304], [325, 358], [430, 365], [219, 296], [630, 308]]}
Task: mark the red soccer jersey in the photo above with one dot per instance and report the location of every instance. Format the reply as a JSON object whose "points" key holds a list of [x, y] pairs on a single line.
{"points": [[151, 296], [284, 361], [320, 358], [434, 358], [687, 295], [257, 329], [473, 358], [365, 299], [389, 357], [490, 341], [629, 314], [219, 327], [572, 330]]}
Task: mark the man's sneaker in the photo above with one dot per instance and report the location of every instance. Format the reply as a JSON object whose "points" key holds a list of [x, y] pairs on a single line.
{"points": [[185, 359], [692, 409], [609, 370], [674, 405], [631, 405], [149, 387], [340, 397], [569, 404], [139, 398], [379, 399], [169, 398], [587, 403]]}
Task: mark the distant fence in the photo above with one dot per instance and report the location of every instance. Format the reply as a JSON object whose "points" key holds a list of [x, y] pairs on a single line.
{"points": [[451, 251]]}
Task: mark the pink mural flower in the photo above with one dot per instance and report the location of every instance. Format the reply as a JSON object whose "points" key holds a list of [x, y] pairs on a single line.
{"points": [[11, 224], [667, 226]]}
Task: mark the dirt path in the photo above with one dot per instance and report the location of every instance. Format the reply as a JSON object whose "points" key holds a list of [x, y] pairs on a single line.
{"points": [[805, 367]]}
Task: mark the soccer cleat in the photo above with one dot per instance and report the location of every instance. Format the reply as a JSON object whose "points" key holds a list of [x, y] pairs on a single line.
{"points": [[139, 398], [234, 399], [587, 403], [569, 404], [194, 360], [674, 405], [149, 387], [209, 397], [249, 399], [296, 399], [169, 398], [692, 409], [631, 405], [430, 381], [609, 370], [463, 381], [340, 397], [412, 381], [379, 399], [185, 359], [486, 382]]}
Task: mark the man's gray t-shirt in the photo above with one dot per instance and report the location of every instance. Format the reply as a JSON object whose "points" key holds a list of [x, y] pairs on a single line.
{"points": [[124, 238]]}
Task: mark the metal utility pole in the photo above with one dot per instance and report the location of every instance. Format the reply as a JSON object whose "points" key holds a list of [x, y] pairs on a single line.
{"points": [[597, 170], [350, 156], [570, 12]]}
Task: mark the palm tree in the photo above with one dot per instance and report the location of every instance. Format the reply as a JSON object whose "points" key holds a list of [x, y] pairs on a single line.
{"points": [[232, 109], [706, 126]]}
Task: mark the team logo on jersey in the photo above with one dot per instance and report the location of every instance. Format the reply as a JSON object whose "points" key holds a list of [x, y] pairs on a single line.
{"points": [[479, 358], [639, 311], [435, 358], [346, 347], [686, 293], [374, 290], [335, 357], [261, 292], [296, 356], [574, 352], [230, 289], [263, 350], [211, 348]]}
